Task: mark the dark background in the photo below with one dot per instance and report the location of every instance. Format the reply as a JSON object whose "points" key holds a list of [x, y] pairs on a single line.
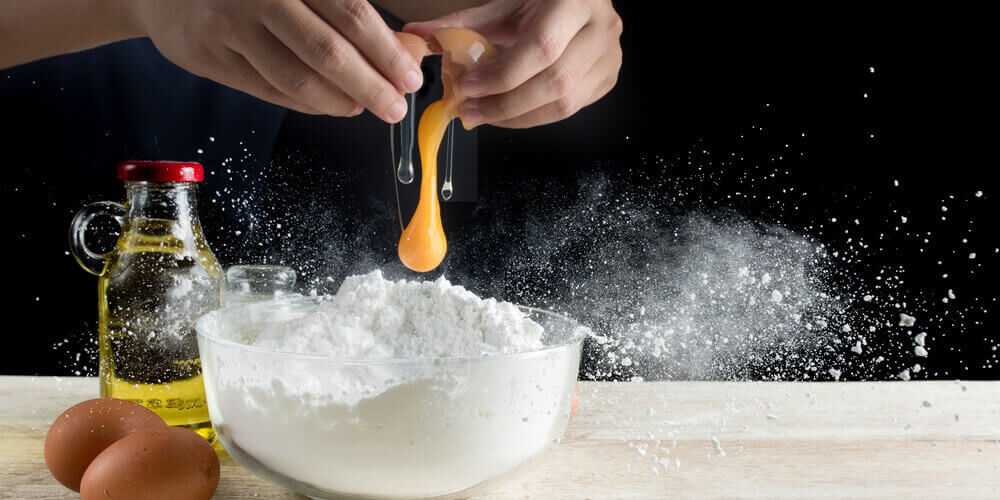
{"points": [[736, 100]]}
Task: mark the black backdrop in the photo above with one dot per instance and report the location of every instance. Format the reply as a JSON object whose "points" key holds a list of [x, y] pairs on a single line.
{"points": [[857, 100]]}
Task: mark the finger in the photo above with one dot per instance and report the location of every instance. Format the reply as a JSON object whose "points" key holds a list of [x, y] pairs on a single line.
{"points": [[286, 72], [364, 27], [334, 57], [585, 95], [538, 48], [484, 20], [240, 75], [555, 82]]}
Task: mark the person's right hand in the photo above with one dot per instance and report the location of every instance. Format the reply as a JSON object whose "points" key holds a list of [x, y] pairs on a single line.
{"points": [[334, 57]]}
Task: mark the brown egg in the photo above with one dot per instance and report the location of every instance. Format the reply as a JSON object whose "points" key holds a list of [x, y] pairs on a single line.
{"points": [[86, 429], [163, 462]]}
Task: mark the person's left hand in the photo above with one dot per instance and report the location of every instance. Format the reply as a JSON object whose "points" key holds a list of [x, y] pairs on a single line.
{"points": [[563, 55]]}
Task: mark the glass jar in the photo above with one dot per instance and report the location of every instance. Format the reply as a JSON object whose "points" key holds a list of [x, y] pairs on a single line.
{"points": [[159, 278], [246, 284]]}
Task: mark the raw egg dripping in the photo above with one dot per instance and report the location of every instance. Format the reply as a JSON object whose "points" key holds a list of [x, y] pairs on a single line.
{"points": [[422, 245], [417, 48]]}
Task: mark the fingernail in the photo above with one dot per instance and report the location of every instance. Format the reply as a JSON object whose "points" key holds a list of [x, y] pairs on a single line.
{"points": [[357, 110], [471, 86], [397, 111], [412, 81], [471, 116]]}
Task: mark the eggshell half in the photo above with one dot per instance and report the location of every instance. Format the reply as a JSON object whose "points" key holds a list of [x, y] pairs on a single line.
{"points": [[461, 51], [416, 46]]}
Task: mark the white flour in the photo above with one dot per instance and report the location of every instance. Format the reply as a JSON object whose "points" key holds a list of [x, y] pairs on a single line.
{"points": [[371, 317], [413, 425]]}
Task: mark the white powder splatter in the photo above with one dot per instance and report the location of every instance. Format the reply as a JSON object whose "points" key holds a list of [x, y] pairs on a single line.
{"points": [[716, 296], [682, 295], [906, 320], [717, 447]]}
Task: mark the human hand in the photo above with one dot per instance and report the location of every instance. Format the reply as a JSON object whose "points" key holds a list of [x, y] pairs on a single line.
{"points": [[563, 55], [334, 57]]}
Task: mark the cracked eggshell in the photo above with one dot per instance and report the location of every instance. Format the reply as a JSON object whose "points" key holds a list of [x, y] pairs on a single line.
{"points": [[416, 46], [461, 51]]}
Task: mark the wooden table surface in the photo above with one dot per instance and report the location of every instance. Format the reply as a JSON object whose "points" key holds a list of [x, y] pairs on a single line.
{"points": [[824, 439]]}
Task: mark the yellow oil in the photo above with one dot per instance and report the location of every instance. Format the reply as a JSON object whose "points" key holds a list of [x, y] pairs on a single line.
{"points": [[158, 280]]}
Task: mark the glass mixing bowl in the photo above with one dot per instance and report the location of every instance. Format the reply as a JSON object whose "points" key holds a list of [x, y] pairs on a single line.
{"points": [[326, 426]]}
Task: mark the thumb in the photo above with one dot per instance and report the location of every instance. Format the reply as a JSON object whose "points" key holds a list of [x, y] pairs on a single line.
{"points": [[479, 19]]}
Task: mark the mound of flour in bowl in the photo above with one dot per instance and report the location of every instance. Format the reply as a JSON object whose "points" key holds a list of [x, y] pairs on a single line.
{"points": [[372, 317], [388, 428]]}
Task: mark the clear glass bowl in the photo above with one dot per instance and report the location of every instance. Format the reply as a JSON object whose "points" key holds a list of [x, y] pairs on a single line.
{"points": [[394, 428]]}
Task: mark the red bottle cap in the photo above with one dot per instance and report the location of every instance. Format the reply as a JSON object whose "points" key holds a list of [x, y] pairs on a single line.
{"points": [[161, 171]]}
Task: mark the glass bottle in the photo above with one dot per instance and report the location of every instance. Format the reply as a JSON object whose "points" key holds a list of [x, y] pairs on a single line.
{"points": [[152, 286]]}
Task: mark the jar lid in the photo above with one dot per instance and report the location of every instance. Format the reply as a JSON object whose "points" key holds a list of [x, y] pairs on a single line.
{"points": [[161, 171]]}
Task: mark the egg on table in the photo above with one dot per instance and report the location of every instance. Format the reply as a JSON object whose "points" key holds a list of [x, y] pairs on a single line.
{"points": [[86, 429], [171, 463]]}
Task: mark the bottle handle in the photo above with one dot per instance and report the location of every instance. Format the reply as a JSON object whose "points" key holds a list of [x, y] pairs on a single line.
{"points": [[91, 262]]}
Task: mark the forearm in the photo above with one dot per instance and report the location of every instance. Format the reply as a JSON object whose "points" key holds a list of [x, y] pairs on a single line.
{"points": [[422, 10], [35, 29]]}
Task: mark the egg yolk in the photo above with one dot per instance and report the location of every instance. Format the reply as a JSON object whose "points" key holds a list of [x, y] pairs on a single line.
{"points": [[423, 245]]}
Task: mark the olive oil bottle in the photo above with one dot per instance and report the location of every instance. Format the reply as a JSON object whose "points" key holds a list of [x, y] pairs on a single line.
{"points": [[158, 280]]}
